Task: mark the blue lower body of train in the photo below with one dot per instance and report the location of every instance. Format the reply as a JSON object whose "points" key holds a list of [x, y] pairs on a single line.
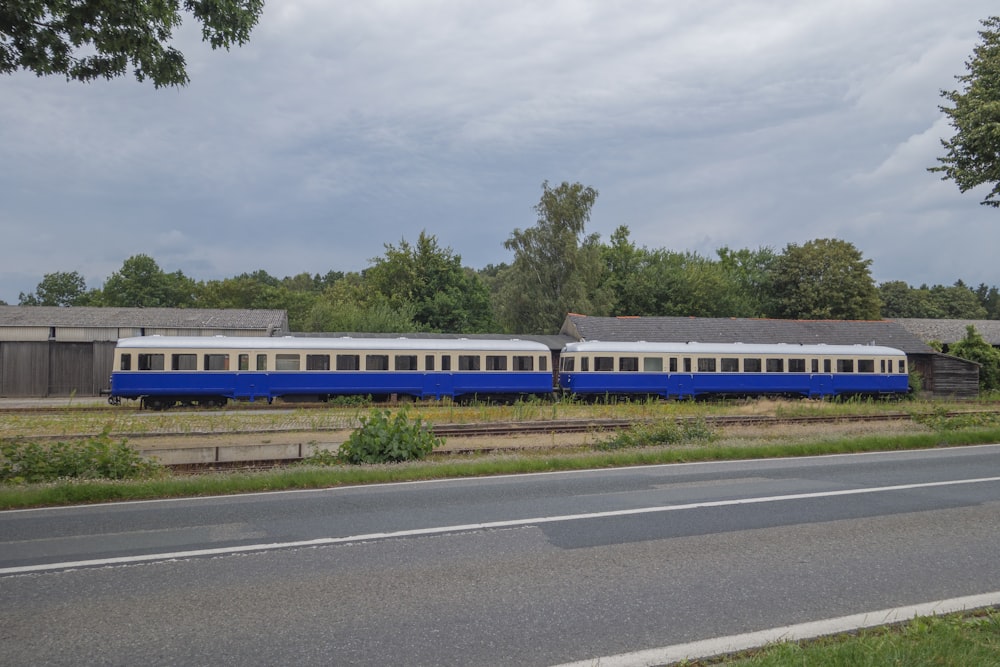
{"points": [[253, 386], [691, 385]]}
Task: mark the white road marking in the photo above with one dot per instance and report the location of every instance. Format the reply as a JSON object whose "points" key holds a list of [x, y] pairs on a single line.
{"points": [[718, 646], [438, 530]]}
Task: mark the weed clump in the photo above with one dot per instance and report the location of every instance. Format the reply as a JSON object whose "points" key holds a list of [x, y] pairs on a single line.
{"points": [[94, 458], [665, 432], [383, 438]]}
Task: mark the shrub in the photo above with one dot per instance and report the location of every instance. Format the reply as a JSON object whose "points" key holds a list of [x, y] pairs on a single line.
{"points": [[96, 458], [666, 432], [383, 438]]}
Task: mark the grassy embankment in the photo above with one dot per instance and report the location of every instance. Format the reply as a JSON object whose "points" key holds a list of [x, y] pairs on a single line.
{"points": [[594, 450]]}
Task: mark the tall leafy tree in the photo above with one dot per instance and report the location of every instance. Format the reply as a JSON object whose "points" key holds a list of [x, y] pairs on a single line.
{"points": [[430, 281], [557, 266], [748, 272], [86, 40], [142, 283], [61, 288], [824, 279], [972, 155]]}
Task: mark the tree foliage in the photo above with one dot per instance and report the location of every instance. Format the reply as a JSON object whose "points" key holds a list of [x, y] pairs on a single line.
{"points": [[557, 267], [430, 281], [974, 348], [93, 39], [824, 279], [141, 283], [61, 288], [972, 155]]}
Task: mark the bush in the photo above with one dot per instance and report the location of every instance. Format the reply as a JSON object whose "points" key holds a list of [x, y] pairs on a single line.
{"points": [[386, 439], [666, 432], [96, 458]]}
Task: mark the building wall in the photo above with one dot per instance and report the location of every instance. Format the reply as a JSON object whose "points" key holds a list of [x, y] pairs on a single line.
{"points": [[34, 368]]}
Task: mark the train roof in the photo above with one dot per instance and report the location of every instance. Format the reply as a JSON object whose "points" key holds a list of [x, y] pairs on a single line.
{"points": [[733, 348], [332, 344]]}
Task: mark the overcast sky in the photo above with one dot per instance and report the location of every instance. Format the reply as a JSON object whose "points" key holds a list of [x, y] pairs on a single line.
{"points": [[343, 126]]}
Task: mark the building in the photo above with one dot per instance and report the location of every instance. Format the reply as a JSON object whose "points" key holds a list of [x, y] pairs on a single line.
{"points": [[52, 351]]}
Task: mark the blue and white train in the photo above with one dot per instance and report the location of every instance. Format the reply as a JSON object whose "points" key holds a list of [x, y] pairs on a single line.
{"points": [[163, 371], [690, 370]]}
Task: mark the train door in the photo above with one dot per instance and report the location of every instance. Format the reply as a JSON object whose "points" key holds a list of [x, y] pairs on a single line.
{"points": [[252, 384]]}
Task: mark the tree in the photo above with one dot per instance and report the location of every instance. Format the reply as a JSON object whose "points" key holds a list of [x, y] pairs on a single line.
{"points": [[141, 283], [974, 348], [557, 268], [972, 155], [443, 295], [824, 279], [92, 39], [57, 289]]}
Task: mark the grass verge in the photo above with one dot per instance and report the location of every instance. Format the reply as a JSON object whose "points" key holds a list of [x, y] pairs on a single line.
{"points": [[13, 496], [953, 640]]}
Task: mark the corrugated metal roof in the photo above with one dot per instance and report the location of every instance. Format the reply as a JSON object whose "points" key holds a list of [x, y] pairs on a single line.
{"points": [[744, 330], [328, 344], [153, 318], [951, 331]]}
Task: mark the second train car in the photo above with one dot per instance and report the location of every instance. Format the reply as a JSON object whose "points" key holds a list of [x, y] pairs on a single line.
{"points": [[690, 370]]}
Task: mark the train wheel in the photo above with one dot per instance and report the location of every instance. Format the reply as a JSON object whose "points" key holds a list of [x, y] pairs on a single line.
{"points": [[158, 403]]}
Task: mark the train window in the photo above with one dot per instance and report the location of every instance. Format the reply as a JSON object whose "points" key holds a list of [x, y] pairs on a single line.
{"points": [[348, 362], [845, 365], [602, 364], [150, 362], [376, 362], [706, 365], [687, 364], [216, 362], [729, 365], [405, 362], [815, 365], [184, 362], [524, 363], [495, 362], [568, 364], [317, 362], [243, 362], [866, 365], [262, 362], [774, 365], [428, 362], [468, 362], [902, 366], [286, 362], [628, 364], [882, 365], [652, 364], [126, 363], [673, 364], [751, 366], [826, 365], [446, 362], [584, 363], [796, 365], [543, 363]]}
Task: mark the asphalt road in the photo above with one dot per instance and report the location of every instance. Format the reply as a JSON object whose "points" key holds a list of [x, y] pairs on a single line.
{"points": [[522, 570]]}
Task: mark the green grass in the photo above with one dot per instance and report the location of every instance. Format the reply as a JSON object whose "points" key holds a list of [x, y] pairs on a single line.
{"points": [[312, 477], [954, 640]]}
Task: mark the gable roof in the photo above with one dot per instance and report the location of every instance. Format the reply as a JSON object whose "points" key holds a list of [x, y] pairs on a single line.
{"points": [[743, 330], [153, 318], [951, 331]]}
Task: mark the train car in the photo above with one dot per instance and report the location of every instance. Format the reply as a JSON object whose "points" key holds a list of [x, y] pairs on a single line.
{"points": [[690, 370], [163, 371]]}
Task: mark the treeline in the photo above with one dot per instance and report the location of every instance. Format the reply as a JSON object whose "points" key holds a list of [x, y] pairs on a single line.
{"points": [[557, 268]]}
